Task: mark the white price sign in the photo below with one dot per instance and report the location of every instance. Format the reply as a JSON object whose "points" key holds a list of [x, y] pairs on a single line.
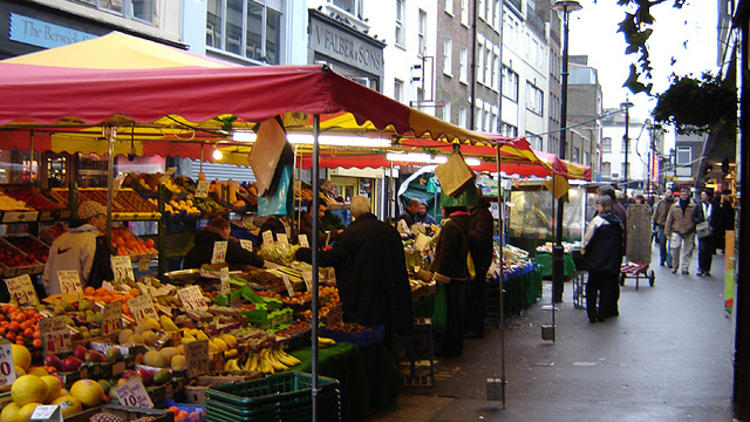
{"points": [[141, 307], [112, 318], [202, 190], [21, 289], [192, 298], [144, 263], [307, 277], [122, 267], [267, 237], [224, 278], [219, 254], [246, 244], [50, 412], [7, 370], [55, 335], [70, 282], [133, 394], [281, 238], [288, 285], [196, 358], [303, 241]]}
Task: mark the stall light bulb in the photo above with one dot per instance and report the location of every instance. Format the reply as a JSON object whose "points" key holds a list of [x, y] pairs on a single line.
{"points": [[217, 154]]}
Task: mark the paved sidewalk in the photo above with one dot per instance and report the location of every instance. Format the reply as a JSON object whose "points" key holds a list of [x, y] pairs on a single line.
{"points": [[666, 358]]}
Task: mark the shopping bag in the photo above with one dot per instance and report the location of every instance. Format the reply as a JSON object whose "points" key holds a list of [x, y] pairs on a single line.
{"points": [[281, 201], [454, 175], [440, 310], [266, 153], [703, 229]]}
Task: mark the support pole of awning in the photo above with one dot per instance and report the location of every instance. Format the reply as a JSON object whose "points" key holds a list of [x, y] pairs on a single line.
{"points": [[501, 233], [110, 177], [201, 160], [314, 245]]}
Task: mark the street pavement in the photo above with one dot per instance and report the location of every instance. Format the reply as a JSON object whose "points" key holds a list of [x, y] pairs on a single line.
{"points": [[667, 357]]}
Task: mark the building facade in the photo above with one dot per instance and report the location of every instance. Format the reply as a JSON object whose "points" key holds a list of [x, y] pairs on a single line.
{"points": [[583, 139]]}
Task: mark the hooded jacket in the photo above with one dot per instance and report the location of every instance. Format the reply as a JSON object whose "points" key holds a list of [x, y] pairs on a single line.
{"points": [[603, 242], [204, 248], [480, 236], [81, 249]]}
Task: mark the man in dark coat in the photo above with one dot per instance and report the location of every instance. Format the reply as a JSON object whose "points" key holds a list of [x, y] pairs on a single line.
{"points": [[603, 249], [370, 272], [410, 212], [218, 229], [481, 242], [706, 212]]}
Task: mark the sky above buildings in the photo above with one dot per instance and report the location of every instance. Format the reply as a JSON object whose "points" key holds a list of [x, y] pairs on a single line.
{"points": [[688, 34]]}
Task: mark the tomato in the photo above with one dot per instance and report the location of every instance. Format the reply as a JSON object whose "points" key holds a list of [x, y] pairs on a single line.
{"points": [[19, 341], [14, 326], [37, 334], [37, 343], [10, 335], [28, 332]]}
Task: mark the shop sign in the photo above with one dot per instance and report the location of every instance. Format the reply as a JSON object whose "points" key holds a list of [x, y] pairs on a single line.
{"points": [[345, 47], [247, 244], [202, 190], [282, 239], [267, 237], [21, 289], [288, 285], [133, 394], [43, 34]]}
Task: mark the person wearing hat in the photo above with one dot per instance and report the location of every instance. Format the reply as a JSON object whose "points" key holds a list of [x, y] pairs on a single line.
{"points": [[83, 248]]}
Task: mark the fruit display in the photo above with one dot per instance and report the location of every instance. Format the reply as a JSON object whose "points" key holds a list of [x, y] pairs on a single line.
{"points": [[8, 203], [20, 325], [125, 243], [126, 204], [34, 198], [13, 261], [33, 248]]}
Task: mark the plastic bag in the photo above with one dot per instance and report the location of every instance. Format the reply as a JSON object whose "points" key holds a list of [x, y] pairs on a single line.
{"points": [[281, 201]]}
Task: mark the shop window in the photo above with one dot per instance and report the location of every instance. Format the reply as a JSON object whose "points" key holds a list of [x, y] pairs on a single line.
{"points": [[141, 10], [249, 29]]}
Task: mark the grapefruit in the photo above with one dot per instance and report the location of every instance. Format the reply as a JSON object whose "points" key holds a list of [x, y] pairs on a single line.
{"points": [[10, 413], [89, 392], [28, 389], [19, 370], [38, 371], [68, 405], [54, 386], [21, 356], [24, 415]]}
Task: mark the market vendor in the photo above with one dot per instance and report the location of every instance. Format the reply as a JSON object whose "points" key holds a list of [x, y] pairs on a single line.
{"points": [[370, 272], [83, 248], [410, 212], [306, 224], [218, 229], [422, 216]]}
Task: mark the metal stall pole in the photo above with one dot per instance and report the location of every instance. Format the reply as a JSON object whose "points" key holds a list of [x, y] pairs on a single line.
{"points": [[110, 178], [31, 161], [201, 161], [314, 245]]}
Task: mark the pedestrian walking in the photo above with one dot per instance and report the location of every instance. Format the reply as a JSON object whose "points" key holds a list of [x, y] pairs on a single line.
{"points": [[705, 214], [680, 227], [603, 250], [659, 221]]}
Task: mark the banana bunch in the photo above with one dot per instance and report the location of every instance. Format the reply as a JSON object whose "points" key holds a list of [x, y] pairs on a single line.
{"points": [[325, 342], [269, 361], [232, 365]]}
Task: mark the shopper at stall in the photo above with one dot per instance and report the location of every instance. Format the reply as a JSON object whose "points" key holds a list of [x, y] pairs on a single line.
{"points": [[481, 242], [422, 216], [410, 212], [371, 274], [307, 220], [603, 251], [452, 274], [218, 229], [659, 220], [275, 225], [619, 210], [705, 213], [83, 248], [680, 228]]}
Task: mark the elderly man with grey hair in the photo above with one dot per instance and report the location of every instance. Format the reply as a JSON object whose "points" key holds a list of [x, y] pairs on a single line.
{"points": [[371, 275]]}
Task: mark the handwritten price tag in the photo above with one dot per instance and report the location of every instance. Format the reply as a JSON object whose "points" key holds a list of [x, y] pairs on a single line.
{"points": [[267, 237], [7, 370], [196, 358], [281, 238], [219, 254], [246, 244], [224, 278], [133, 394], [303, 241], [144, 263], [141, 307], [112, 318], [50, 413], [288, 285], [122, 267], [55, 335], [192, 298], [202, 190], [21, 289], [70, 282], [307, 277]]}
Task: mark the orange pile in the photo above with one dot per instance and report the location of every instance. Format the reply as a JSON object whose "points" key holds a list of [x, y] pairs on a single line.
{"points": [[107, 296], [19, 325], [128, 244]]}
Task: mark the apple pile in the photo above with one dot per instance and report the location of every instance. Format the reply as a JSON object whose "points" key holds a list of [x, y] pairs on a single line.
{"points": [[80, 356], [12, 258], [35, 199], [33, 248]]}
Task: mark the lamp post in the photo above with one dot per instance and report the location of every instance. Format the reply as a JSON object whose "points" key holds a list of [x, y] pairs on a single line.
{"points": [[626, 105], [564, 6]]}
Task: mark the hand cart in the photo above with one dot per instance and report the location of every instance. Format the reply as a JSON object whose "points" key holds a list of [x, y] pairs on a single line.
{"points": [[637, 271], [638, 245]]}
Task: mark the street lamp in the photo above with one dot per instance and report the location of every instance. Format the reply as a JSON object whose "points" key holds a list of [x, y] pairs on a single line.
{"points": [[626, 106], [564, 6]]}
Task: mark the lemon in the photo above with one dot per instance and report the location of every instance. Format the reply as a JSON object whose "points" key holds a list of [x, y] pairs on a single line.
{"points": [[10, 413], [54, 386], [28, 389], [24, 415], [21, 356], [68, 405], [89, 392], [38, 371]]}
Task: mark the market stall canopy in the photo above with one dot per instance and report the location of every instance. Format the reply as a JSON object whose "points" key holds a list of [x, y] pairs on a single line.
{"points": [[154, 92]]}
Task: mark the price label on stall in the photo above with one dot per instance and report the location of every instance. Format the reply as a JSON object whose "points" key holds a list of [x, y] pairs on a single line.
{"points": [[171, 170], [224, 279], [282, 239], [196, 358], [133, 394], [47, 413], [144, 263], [192, 298], [246, 244], [307, 277], [141, 307], [122, 267], [21, 289], [219, 254], [117, 183], [112, 318], [328, 237], [288, 285], [55, 335], [303, 241], [267, 237], [202, 190], [7, 370], [70, 282]]}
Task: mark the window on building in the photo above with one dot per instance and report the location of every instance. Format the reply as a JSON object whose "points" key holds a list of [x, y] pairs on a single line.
{"points": [[449, 7], [623, 167], [534, 140], [421, 30], [607, 144], [586, 158], [684, 159], [142, 10], [510, 84], [622, 145], [420, 96], [447, 112], [576, 155], [252, 29], [447, 56], [400, 12], [477, 118], [496, 15], [354, 7], [480, 10], [495, 66], [398, 90], [534, 99], [465, 12], [509, 131], [462, 65], [487, 120], [480, 64], [462, 117], [606, 169], [488, 66]]}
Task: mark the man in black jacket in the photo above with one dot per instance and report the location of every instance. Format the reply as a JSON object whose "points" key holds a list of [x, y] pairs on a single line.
{"points": [[218, 229], [603, 249], [370, 272], [480, 237]]}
